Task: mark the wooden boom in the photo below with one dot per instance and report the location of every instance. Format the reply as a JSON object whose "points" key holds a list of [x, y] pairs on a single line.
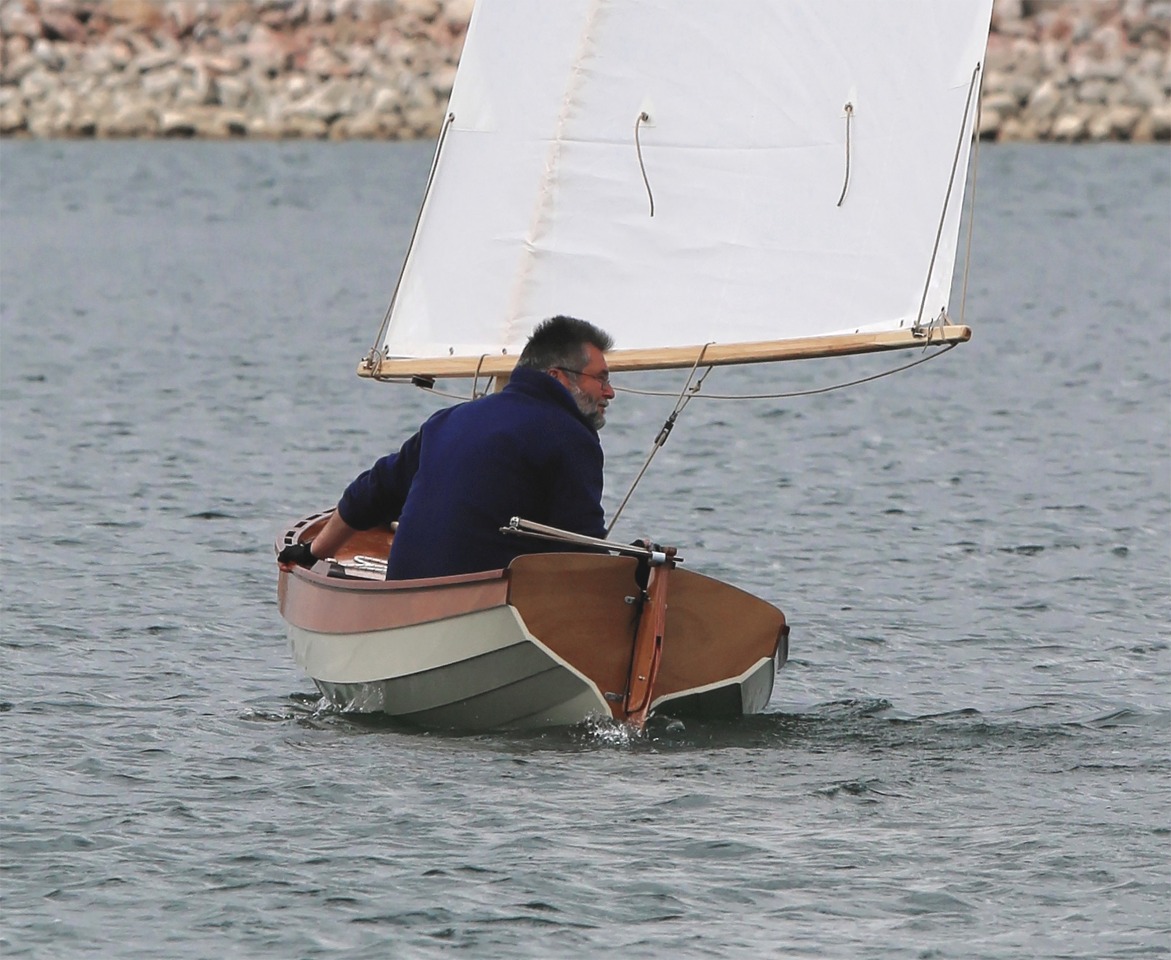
{"points": [[666, 358]]}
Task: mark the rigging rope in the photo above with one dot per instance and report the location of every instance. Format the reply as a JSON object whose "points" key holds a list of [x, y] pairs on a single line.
{"points": [[446, 394], [972, 198], [972, 85], [685, 396], [375, 356]]}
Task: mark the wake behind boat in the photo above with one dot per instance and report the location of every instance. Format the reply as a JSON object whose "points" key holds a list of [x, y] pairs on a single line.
{"points": [[717, 183]]}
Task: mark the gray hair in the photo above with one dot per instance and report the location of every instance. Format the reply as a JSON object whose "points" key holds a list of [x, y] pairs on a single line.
{"points": [[561, 342]]}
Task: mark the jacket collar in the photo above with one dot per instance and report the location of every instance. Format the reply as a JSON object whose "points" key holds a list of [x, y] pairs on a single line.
{"points": [[538, 384]]}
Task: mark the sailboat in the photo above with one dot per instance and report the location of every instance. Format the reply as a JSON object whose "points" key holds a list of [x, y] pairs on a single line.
{"points": [[713, 183]]}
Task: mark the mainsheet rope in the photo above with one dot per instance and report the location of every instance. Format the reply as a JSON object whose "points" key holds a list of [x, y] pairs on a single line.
{"points": [[685, 397]]}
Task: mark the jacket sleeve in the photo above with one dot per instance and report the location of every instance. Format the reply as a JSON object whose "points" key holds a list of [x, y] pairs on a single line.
{"points": [[377, 495]]}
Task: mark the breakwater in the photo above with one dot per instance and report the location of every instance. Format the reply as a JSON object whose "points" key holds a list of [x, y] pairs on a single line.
{"points": [[1067, 70]]}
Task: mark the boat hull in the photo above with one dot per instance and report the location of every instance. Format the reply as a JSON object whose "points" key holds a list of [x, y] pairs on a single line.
{"points": [[481, 671], [547, 642]]}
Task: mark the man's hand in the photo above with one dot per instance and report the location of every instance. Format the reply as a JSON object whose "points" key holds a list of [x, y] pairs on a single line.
{"points": [[296, 554]]}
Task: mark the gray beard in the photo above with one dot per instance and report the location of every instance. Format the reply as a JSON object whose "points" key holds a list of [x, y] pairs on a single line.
{"points": [[589, 408]]}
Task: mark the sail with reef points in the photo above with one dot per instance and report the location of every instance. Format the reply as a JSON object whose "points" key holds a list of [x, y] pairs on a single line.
{"points": [[805, 164]]}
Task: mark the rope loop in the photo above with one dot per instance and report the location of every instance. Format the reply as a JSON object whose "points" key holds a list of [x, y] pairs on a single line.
{"points": [[476, 377]]}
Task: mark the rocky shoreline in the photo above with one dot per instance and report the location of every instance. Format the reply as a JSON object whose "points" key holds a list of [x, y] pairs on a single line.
{"points": [[1065, 70]]}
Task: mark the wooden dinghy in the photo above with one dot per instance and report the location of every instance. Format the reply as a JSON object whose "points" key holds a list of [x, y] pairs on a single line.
{"points": [[554, 639], [710, 196]]}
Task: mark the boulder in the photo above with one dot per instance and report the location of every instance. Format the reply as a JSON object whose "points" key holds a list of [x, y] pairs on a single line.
{"points": [[12, 118], [1045, 101], [129, 118], [16, 21], [1160, 120], [62, 25], [1069, 127]]}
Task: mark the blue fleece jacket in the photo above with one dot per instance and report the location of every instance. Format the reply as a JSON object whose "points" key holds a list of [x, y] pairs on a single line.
{"points": [[526, 451]]}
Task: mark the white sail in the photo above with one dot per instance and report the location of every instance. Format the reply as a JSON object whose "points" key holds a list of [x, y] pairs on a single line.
{"points": [[542, 191]]}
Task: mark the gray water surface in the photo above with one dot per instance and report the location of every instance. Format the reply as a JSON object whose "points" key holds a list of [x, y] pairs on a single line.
{"points": [[966, 757]]}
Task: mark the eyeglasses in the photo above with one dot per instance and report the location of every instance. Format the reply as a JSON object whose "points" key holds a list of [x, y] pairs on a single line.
{"points": [[602, 378]]}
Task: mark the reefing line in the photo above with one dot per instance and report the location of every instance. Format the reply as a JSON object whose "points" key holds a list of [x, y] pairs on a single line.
{"points": [[643, 117], [846, 183]]}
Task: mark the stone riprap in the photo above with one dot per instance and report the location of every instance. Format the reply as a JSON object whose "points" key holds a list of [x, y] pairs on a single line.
{"points": [[1067, 70]]}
